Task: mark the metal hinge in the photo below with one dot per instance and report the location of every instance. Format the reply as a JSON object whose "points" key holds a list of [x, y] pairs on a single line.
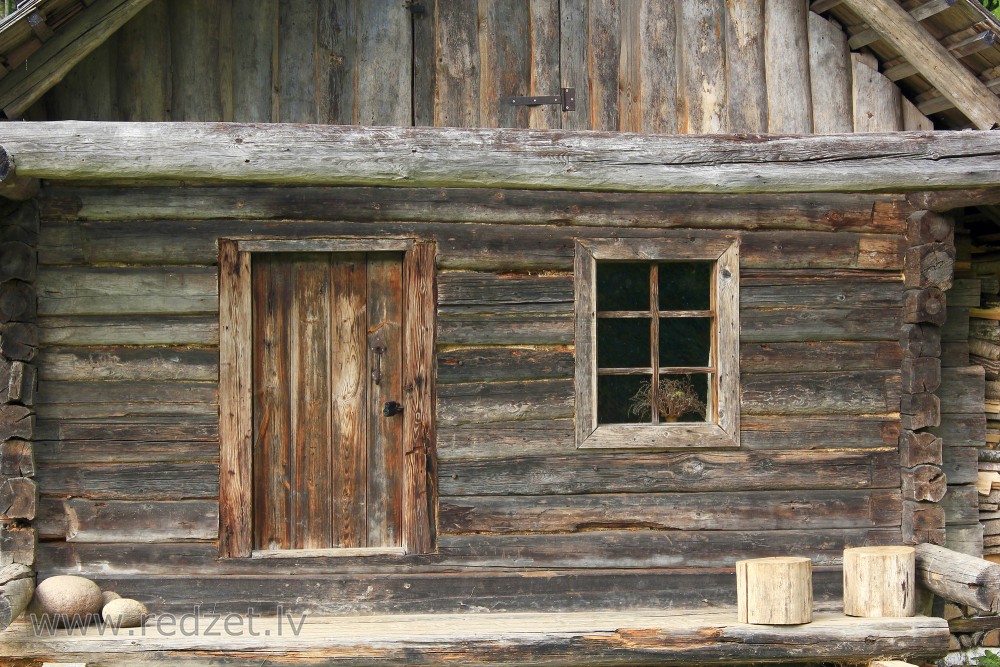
{"points": [[566, 98]]}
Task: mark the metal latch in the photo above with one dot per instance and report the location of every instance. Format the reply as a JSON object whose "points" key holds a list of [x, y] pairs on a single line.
{"points": [[566, 98]]}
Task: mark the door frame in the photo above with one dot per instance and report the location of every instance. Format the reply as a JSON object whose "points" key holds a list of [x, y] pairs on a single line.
{"points": [[236, 387]]}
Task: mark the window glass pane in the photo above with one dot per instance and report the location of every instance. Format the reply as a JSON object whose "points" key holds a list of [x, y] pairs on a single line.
{"points": [[683, 398], [685, 341], [623, 343], [623, 285], [685, 285], [623, 399]]}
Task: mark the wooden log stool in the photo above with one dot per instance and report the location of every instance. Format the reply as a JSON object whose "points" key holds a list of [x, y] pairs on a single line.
{"points": [[774, 591], [880, 581]]}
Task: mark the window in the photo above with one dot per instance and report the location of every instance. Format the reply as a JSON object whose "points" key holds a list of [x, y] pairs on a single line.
{"points": [[326, 365], [657, 342]]}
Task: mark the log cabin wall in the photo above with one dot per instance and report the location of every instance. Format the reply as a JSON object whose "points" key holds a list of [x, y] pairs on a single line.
{"points": [[688, 66], [128, 416]]}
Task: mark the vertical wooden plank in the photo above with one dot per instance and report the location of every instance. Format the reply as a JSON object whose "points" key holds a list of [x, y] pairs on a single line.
{"points": [[310, 404], [254, 25], [90, 93], [544, 62], [877, 106], [727, 294], [336, 46], [144, 65], [658, 66], [419, 434], [457, 65], [195, 52], [913, 120], [274, 477], [385, 63], [585, 280], [574, 54], [829, 77], [235, 402], [786, 56], [630, 93], [385, 434], [703, 110], [348, 396], [504, 54], [424, 63], [746, 84], [296, 80], [605, 33]]}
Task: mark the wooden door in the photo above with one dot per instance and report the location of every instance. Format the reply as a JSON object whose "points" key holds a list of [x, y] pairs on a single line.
{"points": [[327, 358]]}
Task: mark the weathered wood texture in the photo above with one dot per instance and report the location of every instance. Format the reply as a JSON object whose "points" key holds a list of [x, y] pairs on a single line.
{"points": [[441, 157], [959, 578], [643, 66]]}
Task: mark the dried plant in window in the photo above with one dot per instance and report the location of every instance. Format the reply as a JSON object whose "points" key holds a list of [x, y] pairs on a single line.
{"points": [[674, 399]]}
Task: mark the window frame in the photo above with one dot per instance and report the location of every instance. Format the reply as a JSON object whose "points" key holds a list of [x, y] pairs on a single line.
{"points": [[236, 391], [724, 432]]}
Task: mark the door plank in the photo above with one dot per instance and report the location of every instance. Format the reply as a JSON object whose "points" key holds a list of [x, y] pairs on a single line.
{"points": [[385, 434], [348, 384]]}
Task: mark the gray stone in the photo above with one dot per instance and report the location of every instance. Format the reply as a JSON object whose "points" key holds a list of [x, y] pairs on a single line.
{"points": [[108, 596], [66, 597], [125, 613]]}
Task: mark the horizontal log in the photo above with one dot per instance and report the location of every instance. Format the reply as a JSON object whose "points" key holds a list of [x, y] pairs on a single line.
{"points": [[956, 430], [924, 482], [920, 340], [919, 411], [443, 157], [131, 481], [929, 265], [960, 464], [60, 364], [962, 390], [773, 325], [966, 539], [122, 522], [667, 472], [959, 578], [504, 401], [17, 301], [18, 498], [761, 510], [129, 330], [923, 522], [923, 374], [480, 247], [536, 329], [865, 392], [17, 586], [965, 293], [19, 341], [134, 429], [127, 291], [17, 261], [16, 421], [919, 448], [850, 212], [961, 506], [125, 451], [17, 458], [924, 305], [929, 227], [956, 327], [73, 393], [943, 201], [954, 355], [479, 364], [17, 544], [820, 356]]}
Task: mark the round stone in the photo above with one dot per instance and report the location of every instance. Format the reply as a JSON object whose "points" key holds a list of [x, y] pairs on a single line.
{"points": [[108, 596], [67, 596], [125, 613]]}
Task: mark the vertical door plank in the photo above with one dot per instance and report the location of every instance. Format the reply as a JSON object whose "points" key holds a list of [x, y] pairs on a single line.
{"points": [[419, 436], [275, 477], [195, 51], [310, 405], [913, 120], [348, 396], [544, 59], [144, 65], [630, 92], [424, 64], [504, 53], [385, 63], [254, 28], [585, 279], [746, 84], [786, 51], [605, 36], [457, 75], [385, 434], [574, 50], [658, 66], [704, 93], [296, 82], [829, 77], [336, 48], [235, 402], [877, 105]]}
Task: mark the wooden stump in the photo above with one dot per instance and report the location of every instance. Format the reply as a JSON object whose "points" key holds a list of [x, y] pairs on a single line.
{"points": [[880, 581], [774, 591]]}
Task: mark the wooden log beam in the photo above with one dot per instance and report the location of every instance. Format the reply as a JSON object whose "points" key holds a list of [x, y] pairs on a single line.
{"points": [[929, 265], [929, 227], [923, 522], [17, 544], [17, 585], [924, 482], [919, 375], [920, 12], [959, 578], [920, 340], [12, 186], [924, 305], [919, 448], [931, 59], [507, 158]]}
